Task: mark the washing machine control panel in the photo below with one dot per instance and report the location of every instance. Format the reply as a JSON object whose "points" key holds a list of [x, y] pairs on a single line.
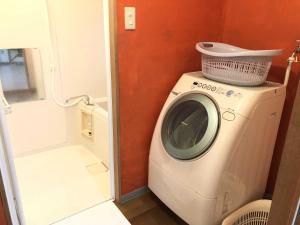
{"points": [[204, 86], [219, 90]]}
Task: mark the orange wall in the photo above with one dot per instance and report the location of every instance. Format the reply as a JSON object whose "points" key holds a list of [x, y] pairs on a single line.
{"points": [[152, 58], [267, 24], [2, 213]]}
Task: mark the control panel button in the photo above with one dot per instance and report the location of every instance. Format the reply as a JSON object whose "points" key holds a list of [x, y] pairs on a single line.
{"points": [[218, 90], [238, 95], [230, 116], [229, 93]]}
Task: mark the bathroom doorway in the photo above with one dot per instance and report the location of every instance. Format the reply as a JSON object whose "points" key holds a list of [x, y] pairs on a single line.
{"points": [[57, 155]]}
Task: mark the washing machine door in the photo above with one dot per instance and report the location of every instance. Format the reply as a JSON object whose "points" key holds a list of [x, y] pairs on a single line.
{"points": [[190, 126]]}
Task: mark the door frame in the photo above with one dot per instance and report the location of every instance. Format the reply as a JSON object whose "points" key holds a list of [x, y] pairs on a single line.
{"points": [[285, 203], [11, 200], [114, 82], [3, 202]]}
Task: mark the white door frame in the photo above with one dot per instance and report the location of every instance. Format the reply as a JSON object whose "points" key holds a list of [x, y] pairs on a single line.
{"points": [[8, 173], [107, 39]]}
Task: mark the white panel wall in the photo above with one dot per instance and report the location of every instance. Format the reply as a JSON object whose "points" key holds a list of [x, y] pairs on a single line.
{"points": [[77, 29], [38, 124]]}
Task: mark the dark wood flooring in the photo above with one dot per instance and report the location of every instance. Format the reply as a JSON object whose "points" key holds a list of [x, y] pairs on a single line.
{"points": [[149, 210]]}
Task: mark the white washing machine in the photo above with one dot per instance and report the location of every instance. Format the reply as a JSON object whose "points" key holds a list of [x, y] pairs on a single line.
{"points": [[212, 147]]}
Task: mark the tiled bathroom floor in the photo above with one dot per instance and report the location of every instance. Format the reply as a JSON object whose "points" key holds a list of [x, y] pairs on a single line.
{"points": [[58, 183]]}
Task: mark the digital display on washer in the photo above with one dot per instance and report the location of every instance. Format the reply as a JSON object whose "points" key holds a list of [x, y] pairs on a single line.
{"points": [[205, 86], [219, 90]]}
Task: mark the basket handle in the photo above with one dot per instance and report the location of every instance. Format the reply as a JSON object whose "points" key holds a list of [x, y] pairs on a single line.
{"points": [[207, 45], [226, 50]]}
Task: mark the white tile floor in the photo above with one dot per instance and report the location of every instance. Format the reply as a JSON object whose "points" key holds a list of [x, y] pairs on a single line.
{"points": [[104, 214], [59, 183]]}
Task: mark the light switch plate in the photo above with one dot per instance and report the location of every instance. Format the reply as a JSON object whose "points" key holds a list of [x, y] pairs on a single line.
{"points": [[130, 20]]}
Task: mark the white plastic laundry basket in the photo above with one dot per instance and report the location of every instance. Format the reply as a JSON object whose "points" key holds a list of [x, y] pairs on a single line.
{"points": [[233, 65], [254, 213]]}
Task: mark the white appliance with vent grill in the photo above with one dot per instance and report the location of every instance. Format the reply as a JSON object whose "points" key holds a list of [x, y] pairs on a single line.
{"points": [[212, 147]]}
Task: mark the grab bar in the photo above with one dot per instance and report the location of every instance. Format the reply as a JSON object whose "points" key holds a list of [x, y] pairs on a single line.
{"points": [[85, 98]]}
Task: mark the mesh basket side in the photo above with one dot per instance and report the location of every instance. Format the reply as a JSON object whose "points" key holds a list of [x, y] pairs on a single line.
{"points": [[253, 218], [243, 70]]}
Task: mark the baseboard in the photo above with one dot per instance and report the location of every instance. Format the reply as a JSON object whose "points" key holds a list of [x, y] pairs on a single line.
{"points": [[134, 194]]}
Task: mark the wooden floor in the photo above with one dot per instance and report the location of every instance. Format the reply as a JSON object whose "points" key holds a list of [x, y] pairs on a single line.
{"points": [[149, 210]]}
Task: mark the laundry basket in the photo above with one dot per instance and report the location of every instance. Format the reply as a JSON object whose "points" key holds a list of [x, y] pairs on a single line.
{"points": [[233, 65], [254, 213]]}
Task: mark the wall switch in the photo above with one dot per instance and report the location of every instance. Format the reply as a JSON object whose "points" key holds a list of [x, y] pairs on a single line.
{"points": [[130, 23]]}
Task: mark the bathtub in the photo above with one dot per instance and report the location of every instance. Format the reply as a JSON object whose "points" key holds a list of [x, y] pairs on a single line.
{"points": [[98, 143]]}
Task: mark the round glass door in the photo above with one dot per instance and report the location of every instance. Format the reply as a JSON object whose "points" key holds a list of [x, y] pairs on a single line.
{"points": [[190, 126]]}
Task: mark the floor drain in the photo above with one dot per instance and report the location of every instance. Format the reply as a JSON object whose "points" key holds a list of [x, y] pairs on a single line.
{"points": [[97, 168]]}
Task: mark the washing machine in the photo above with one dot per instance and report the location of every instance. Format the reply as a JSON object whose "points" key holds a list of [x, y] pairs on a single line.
{"points": [[212, 147]]}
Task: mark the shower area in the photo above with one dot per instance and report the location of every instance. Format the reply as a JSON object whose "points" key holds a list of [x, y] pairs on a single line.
{"points": [[59, 181], [55, 93]]}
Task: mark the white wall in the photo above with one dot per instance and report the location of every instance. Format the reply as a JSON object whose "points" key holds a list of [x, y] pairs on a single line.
{"points": [[37, 124], [77, 29]]}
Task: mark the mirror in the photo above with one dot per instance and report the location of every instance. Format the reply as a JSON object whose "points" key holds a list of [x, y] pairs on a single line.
{"points": [[21, 75]]}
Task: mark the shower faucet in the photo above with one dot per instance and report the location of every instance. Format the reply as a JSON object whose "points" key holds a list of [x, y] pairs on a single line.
{"points": [[86, 99], [296, 51], [293, 58]]}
